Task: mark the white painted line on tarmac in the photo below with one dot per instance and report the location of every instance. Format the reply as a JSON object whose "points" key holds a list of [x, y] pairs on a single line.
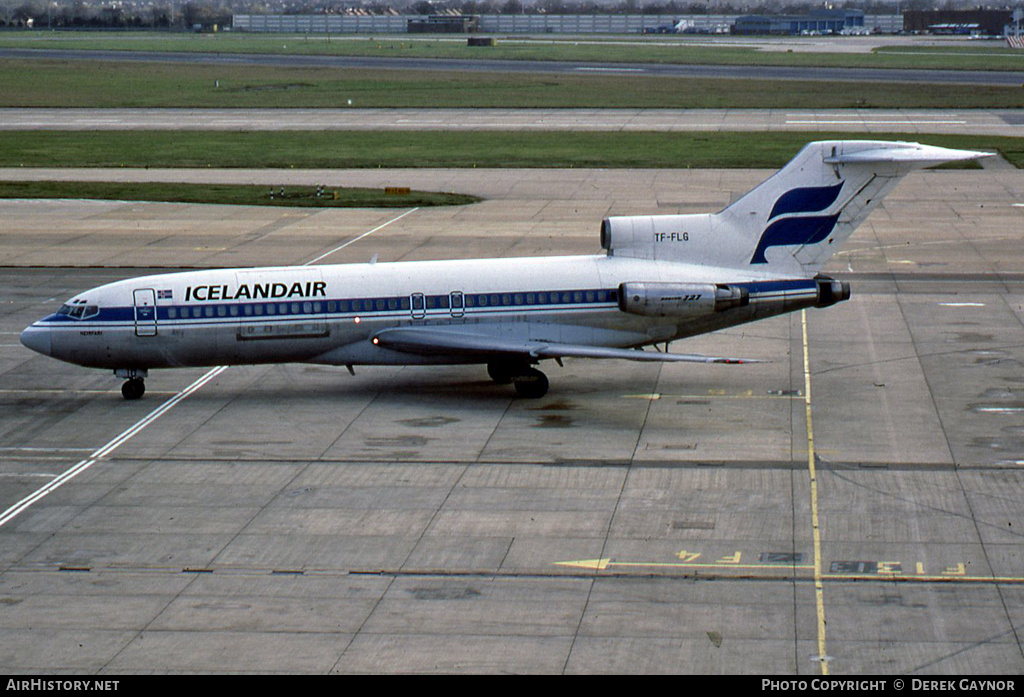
{"points": [[612, 70], [62, 479], [124, 437], [866, 122], [356, 239]]}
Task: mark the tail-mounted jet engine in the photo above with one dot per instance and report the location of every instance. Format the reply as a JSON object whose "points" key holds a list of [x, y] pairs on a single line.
{"points": [[831, 291], [684, 300]]}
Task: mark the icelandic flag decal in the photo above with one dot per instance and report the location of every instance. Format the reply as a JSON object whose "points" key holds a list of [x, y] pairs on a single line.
{"points": [[165, 295]]}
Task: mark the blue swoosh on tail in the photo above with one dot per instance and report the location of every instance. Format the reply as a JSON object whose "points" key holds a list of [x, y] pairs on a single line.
{"points": [[794, 231], [806, 200]]}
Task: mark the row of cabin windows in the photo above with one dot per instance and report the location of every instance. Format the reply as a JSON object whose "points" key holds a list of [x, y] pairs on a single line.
{"points": [[542, 298], [429, 302], [246, 310]]}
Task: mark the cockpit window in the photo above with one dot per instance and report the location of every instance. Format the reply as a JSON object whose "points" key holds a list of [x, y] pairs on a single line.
{"points": [[79, 311]]}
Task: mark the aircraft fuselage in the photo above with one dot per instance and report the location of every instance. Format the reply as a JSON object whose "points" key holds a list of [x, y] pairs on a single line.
{"points": [[330, 314], [664, 277]]}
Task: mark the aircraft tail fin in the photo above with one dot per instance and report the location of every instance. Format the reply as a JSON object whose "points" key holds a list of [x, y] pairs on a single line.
{"points": [[792, 222]]}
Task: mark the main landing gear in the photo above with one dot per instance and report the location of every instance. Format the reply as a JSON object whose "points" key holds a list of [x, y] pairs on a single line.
{"points": [[135, 386], [529, 382]]}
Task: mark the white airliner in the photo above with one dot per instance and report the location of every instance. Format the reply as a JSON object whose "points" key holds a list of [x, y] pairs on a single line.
{"points": [[662, 278]]}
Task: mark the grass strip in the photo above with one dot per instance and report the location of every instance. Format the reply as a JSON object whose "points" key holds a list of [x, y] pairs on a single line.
{"points": [[239, 195], [103, 84], [417, 149], [623, 48]]}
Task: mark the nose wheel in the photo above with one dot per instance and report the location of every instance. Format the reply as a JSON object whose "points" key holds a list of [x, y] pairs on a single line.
{"points": [[133, 388], [135, 384]]}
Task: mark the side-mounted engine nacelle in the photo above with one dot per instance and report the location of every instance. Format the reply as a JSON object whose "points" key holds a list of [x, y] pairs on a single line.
{"points": [[682, 300]]}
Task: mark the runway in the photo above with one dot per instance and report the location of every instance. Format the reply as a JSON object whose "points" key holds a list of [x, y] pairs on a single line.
{"points": [[1001, 122], [759, 72], [638, 519]]}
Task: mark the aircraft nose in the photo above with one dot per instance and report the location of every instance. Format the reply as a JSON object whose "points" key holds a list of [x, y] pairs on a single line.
{"points": [[37, 339]]}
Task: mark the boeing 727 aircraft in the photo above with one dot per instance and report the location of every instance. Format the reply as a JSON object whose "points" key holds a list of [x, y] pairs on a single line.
{"points": [[662, 278]]}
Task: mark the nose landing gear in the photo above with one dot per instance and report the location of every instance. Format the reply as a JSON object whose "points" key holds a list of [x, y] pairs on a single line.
{"points": [[135, 385], [133, 388]]}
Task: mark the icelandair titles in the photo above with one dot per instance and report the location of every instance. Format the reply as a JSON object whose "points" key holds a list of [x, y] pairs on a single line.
{"points": [[257, 291]]}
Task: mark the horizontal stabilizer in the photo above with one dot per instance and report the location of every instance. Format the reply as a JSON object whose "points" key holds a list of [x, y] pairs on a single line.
{"points": [[431, 341], [910, 153]]}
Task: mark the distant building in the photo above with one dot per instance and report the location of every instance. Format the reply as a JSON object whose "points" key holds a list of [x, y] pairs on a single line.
{"points": [[444, 24], [823, 22], [990, 22], [815, 22]]}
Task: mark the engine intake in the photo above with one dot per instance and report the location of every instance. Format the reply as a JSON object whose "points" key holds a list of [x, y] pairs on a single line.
{"points": [[681, 300]]}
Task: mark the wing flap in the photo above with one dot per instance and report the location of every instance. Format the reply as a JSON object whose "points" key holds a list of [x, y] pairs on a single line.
{"points": [[433, 341]]}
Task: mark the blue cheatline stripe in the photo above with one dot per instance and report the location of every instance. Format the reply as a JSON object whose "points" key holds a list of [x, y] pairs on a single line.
{"points": [[761, 287], [390, 307], [472, 303]]}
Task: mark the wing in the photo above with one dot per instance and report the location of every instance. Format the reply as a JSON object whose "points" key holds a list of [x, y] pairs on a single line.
{"points": [[434, 341]]}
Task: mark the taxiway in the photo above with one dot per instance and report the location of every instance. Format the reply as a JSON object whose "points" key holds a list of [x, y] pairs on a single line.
{"points": [[639, 518], [1001, 122]]}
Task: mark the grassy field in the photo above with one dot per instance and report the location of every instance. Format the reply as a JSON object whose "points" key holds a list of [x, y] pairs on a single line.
{"points": [[240, 195], [343, 149], [635, 48], [58, 83], [46, 83]]}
